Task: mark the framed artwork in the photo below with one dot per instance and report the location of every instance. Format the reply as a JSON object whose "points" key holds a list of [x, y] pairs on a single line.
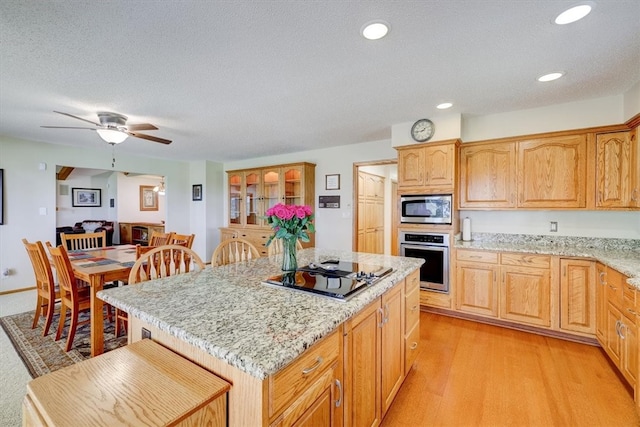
{"points": [[332, 182], [86, 197], [148, 198], [196, 192], [1, 196]]}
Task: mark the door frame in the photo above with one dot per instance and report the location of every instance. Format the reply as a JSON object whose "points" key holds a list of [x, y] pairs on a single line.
{"points": [[354, 201]]}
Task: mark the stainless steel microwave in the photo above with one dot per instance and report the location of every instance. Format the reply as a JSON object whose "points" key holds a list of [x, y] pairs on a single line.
{"points": [[426, 209]]}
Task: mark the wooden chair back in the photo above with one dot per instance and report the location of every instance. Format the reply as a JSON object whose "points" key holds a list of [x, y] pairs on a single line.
{"points": [[164, 261], [182, 238], [46, 287], [231, 251], [159, 239], [275, 247], [78, 242]]}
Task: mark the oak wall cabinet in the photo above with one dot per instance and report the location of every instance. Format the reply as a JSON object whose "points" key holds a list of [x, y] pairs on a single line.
{"points": [[582, 169], [488, 175], [617, 170], [253, 191], [428, 168]]}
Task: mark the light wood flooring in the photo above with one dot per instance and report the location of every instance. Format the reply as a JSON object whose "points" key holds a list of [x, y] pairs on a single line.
{"points": [[473, 374]]}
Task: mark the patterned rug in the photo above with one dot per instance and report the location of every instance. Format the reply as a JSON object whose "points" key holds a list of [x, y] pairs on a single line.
{"points": [[42, 355]]}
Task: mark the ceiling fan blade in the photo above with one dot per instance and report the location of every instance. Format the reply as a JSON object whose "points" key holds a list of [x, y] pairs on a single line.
{"points": [[65, 127], [141, 126], [79, 118], [150, 138]]}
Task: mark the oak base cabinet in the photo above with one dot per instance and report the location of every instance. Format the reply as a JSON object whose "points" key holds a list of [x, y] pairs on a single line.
{"points": [[577, 295]]}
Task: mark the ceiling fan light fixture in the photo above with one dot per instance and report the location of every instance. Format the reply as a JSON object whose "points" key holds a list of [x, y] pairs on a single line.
{"points": [[112, 136], [160, 188]]}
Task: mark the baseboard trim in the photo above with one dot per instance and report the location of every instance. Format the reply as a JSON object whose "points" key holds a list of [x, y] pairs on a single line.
{"points": [[524, 328], [15, 291]]}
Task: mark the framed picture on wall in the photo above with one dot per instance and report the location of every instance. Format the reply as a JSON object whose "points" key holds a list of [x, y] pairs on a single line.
{"points": [[148, 198], [86, 197], [196, 192]]}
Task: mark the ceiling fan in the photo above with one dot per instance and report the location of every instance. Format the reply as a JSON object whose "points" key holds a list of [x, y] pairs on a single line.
{"points": [[113, 128]]}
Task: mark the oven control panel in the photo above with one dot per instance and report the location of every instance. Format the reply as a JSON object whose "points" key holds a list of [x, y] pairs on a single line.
{"points": [[430, 238]]}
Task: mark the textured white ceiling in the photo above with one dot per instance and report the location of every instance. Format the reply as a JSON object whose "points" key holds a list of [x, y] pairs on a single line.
{"points": [[227, 80]]}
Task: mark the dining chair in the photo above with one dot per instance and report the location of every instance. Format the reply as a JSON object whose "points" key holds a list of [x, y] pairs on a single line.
{"points": [[78, 242], [122, 317], [182, 238], [72, 296], [159, 239], [47, 295], [234, 250], [275, 247]]}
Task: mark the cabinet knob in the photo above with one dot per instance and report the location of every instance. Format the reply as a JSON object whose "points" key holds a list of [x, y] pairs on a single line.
{"points": [[602, 280], [414, 345], [634, 195]]}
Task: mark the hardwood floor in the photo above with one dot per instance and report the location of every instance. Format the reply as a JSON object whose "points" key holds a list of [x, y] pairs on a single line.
{"points": [[472, 374]]}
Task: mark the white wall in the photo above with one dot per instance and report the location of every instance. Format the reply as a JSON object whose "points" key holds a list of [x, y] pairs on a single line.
{"points": [[128, 200], [28, 189], [632, 102]]}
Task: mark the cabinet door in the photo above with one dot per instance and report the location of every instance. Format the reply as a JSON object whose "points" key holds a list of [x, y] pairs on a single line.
{"points": [[577, 296], [362, 368], [476, 288], [125, 234], [613, 344], [293, 185], [271, 188], [439, 166], [613, 172], [253, 211], [629, 366], [552, 172], [392, 345], [488, 176], [525, 295], [410, 168], [235, 198], [601, 303]]}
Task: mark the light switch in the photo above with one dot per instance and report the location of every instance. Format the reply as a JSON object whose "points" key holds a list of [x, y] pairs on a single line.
{"points": [[43, 211]]}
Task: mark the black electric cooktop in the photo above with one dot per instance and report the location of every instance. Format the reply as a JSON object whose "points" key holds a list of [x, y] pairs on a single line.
{"points": [[335, 279]]}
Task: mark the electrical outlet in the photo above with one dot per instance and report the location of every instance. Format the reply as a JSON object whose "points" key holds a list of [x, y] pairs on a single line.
{"points": [[554, 227], [146, 333]]}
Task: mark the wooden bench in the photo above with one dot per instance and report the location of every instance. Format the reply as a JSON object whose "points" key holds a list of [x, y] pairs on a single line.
{"points": [[142, 384]]}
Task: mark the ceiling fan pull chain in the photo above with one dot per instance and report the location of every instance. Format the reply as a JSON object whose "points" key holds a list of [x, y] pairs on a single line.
{"points": [[113, 156]]}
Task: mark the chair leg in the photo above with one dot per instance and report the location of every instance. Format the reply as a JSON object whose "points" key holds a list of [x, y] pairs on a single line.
{"points": [[109, 312], [72, 329], [117, 327], [63, 315], [36, 317], [50, 307]]}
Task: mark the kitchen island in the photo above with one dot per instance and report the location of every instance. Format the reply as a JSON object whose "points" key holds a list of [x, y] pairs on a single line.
{"points": [[250, 334]]}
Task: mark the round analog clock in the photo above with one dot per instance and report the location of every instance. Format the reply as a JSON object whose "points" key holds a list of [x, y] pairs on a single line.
{"points": [[422, 130]]}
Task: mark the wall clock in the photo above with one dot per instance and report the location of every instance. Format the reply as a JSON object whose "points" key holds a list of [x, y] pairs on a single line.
{"points": [[422, 130]]}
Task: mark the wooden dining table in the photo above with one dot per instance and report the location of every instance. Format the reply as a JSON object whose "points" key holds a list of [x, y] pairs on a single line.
{"points": [[97, 267]]}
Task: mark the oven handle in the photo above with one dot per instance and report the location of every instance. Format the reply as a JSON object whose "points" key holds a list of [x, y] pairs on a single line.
{"points": [[424, 247]]}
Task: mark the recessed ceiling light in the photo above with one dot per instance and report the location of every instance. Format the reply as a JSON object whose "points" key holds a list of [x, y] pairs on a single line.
{"points": [[550, 77], [444, 105], [374, 30], [574, 14]]}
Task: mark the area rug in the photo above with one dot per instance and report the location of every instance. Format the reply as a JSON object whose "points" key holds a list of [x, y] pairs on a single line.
{"points": [[42, 355]]}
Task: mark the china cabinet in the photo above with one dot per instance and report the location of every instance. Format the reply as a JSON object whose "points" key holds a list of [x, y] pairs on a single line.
{"points": [[253, 191]]}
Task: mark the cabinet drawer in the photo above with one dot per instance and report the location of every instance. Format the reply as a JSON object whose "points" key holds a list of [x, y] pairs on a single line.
{"points": [[412, 309], [412, 282], [293, 380], [477, 256], [411, 348], [526, 260]]}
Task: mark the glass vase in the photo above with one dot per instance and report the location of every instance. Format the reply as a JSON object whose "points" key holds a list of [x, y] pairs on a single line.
{"points": [[289, 249]]}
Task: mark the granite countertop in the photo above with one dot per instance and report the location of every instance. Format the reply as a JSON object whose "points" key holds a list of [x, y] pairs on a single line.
{"points": [[227, 312], [620, 254]]}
